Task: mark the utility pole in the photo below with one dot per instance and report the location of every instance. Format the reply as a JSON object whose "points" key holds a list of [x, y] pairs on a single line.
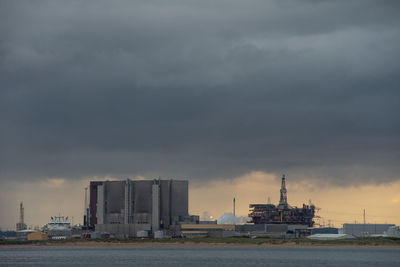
{"points": [[364, 216]]}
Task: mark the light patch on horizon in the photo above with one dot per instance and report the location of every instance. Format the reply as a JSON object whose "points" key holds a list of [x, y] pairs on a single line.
{"points": [[337, 205], [53, 182], [45, 198]]}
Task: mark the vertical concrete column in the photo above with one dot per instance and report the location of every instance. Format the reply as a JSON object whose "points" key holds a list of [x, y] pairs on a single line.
{"points": [[100, 205], [155, 218]]}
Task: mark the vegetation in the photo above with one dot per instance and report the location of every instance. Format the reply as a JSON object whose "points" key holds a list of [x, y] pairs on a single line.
{"points": [[371, 241]]}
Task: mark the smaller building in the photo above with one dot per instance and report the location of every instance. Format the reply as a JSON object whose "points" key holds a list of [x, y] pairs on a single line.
{"points": [[365, 230], [123, 230], [273, 230], [208, 222], [324, 230], [262, 228], [212, 230], [393, 231], [37, 236], [23, 234]]}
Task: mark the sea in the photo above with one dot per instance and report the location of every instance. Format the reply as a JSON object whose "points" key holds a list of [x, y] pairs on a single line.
{"points": [[201, 256]]}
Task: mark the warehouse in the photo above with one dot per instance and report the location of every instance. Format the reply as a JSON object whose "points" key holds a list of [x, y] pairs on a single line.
{"points": [[365, 229]]}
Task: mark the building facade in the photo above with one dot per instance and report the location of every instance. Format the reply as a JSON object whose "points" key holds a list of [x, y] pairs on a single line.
{"points": [[155, 204]]}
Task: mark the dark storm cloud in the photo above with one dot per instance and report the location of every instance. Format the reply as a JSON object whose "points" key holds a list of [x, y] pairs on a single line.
{"points": [[200, 89]]}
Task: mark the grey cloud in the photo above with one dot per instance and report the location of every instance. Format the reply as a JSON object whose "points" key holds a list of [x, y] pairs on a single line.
{"points": [[200, 89]]}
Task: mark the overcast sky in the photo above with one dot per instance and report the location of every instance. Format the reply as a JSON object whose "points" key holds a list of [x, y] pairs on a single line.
{"points": [[203, 90]]}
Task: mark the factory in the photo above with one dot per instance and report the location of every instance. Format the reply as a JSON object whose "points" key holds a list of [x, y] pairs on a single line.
{"points": [[283, 213], [125, 208], [159, 209], [133, 208]]}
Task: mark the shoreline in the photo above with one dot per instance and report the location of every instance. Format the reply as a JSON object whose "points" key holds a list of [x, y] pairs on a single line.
{"points": [[104, 244]]}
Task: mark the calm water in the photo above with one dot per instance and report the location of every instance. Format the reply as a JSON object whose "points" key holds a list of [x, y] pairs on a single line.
{"points": [[200, 256]]}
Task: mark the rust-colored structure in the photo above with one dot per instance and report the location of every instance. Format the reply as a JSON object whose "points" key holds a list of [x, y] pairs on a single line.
{"points": [[92, 218], [283, 213], [37, 236]]}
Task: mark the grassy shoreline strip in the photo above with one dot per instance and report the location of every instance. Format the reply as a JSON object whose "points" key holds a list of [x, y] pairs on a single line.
{"points": [[372, 241]]}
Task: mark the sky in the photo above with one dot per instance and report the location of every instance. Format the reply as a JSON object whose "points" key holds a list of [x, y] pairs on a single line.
{"points": [[227, 94]]}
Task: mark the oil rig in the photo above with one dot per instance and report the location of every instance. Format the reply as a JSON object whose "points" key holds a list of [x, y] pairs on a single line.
{"points": [[283, 213]]}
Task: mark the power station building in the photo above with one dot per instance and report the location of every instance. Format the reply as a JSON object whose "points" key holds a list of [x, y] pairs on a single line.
{"points": [[126, 207]]}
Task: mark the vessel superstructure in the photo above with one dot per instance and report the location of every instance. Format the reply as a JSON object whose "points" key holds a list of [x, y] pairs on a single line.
{"points": [[59, 223], [59, 227]]}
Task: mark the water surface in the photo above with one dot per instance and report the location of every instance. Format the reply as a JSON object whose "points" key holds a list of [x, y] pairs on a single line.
{"points": [[200, 256]]}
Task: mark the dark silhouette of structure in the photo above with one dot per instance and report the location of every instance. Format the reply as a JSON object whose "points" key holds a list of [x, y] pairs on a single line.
{"points": [[21, 225], [283, 213]]}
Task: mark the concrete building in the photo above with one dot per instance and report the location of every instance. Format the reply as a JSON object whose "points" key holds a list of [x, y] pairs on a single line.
{"points": [[365, 230], [138, 205]]}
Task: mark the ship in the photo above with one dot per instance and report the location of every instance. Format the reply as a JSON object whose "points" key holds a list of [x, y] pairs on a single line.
{"points": [[58, 223], [59, 227]]}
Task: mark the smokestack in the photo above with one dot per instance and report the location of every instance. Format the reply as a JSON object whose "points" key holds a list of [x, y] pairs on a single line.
{"points": [[234, 207], [20, 224], [21, 213], [85, 210]]}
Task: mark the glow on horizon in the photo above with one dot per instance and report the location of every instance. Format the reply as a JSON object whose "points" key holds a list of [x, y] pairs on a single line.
{"points": [[337, 204]]}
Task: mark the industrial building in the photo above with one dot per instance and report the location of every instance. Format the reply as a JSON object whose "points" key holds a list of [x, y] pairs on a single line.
{"points": [[211, 230], [365, 229], [393, 231], [325, 230], [247, 230], [283, 213], [125, 207], [37, 236]]}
